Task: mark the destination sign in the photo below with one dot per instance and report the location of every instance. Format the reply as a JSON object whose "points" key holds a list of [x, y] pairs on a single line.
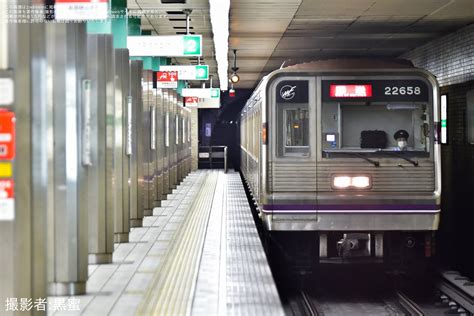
{"points": [[375, 90]]}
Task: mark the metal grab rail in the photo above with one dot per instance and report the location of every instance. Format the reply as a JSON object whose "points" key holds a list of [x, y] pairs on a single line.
{"points": [[212, 157]]}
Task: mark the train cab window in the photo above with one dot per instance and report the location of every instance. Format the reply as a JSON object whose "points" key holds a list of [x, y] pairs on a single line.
{"points": [[378, 128]]}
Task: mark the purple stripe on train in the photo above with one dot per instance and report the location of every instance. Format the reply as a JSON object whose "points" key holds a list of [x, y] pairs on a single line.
{"points": [[343, 207]]}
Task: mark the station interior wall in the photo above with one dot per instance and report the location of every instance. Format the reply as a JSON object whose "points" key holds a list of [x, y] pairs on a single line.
{"points": [[451, 60]]}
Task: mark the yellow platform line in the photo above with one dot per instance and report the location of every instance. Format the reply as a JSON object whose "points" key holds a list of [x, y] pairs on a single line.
{"points": [[172, 285]]}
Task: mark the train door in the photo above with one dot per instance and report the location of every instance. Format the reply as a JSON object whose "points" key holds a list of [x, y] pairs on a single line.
{"points": [[293, 169]]}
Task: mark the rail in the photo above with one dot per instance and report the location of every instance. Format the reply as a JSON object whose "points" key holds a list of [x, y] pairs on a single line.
{"points": [[212, 157], [457, 291]]}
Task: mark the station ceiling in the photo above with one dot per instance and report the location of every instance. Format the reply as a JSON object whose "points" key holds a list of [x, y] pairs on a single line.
{"points": [[268, 32]]}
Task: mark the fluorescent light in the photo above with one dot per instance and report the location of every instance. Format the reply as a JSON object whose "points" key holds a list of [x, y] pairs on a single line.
{"points": [[444, 119], [408, 106], [219, 10]]}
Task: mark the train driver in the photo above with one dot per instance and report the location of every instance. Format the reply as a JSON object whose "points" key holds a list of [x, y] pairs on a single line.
{"points": [[401, 136]]}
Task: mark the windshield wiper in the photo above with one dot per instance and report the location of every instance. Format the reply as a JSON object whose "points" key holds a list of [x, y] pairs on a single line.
{"points": [[374, 162], [399, 155], [415, 163]]}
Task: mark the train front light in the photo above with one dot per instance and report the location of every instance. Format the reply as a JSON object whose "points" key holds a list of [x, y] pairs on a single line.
{"points": [[361, 182], [356, 182], [341, 182]]}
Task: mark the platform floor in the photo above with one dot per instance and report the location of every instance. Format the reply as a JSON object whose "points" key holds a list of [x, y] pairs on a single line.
{"points": [[198, 254]]}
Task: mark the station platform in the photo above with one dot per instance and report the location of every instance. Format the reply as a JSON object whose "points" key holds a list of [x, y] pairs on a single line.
{"points": [[199, 254]]}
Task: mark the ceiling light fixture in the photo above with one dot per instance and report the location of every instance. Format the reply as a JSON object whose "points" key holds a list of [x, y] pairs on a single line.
{"points": [[219, 10], [234, 78]]}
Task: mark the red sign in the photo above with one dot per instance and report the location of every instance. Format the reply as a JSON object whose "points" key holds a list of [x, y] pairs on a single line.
{"points": [[7, 135], [6, 189], [350, 90], [167, 79], [191, 101], [167, 76]]}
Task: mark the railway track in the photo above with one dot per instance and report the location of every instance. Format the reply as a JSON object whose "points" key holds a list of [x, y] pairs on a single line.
{"points": [[457, 292], [308, 305], [399, 303], [409, 306], [315, 306]]}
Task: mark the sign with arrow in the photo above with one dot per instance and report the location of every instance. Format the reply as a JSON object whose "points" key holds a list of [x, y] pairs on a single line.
{"points": [[167, 79]]}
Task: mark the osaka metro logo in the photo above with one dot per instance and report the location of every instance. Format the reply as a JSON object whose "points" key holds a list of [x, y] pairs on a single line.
{"points": [[288, 92]]}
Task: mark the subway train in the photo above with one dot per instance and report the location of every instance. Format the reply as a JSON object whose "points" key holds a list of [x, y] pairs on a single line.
{"points": [[348, 150]]}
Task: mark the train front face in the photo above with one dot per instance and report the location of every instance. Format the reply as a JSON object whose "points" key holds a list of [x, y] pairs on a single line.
{"points": [[352, 151]]}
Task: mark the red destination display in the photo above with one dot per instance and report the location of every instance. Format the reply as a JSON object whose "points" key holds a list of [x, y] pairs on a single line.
{"points": [[350, 90]]}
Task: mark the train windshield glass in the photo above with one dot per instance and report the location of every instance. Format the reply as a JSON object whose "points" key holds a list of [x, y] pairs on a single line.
{"points": [[375, 129]]}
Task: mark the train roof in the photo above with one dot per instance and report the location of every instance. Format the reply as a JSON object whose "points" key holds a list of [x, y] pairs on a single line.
{"points": [[354, 63]]}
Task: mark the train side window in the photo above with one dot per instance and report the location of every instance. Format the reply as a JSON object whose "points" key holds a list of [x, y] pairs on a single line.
{"points": [[297, 129], [470, 116], [294, 131]]}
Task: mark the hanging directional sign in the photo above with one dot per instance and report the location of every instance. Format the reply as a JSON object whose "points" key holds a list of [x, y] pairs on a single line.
{"points": [[67, 10], [201, 103], [201, 93], [167, 79], [166, 45], [189, 72]]}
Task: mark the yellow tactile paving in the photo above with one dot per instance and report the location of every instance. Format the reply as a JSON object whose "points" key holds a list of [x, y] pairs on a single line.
{"points": [[171, 290]]}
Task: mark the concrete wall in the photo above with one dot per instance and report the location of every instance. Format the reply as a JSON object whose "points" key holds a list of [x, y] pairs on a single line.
{"points": [[451, 59]]}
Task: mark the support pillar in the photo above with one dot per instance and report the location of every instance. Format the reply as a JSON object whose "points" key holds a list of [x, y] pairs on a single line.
{"points": [[67, 213], [100, 184]]}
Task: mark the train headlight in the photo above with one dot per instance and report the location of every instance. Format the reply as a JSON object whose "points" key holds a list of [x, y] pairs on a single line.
{"points": [[348, 182], [361, 182], [341, 182]]}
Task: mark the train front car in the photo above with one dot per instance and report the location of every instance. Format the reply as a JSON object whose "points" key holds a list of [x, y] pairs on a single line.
{"points": [[348, 149]]}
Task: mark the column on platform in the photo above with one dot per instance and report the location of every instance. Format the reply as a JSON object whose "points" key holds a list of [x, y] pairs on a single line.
{"points": [[100, 184], [23, 225], [122, 160], [136, 134], [159, 148], [147, 86], [69, 157], [166, 138]]}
